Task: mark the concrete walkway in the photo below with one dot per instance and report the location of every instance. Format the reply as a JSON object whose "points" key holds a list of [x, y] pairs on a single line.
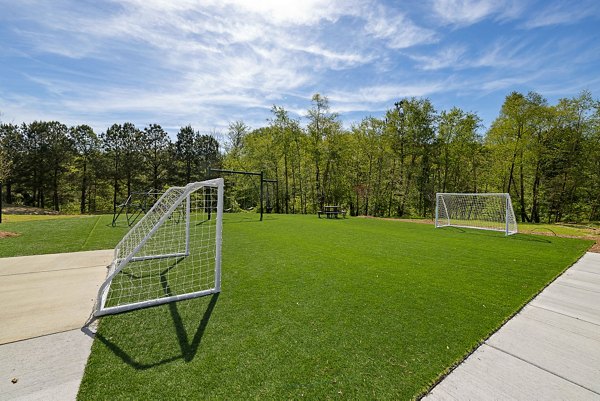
{"points": [[44, 368], [44, 302], [549, 351]]}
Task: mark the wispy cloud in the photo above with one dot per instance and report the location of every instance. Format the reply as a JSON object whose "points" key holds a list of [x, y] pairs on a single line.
{"points": [[447, 57], [384, 94], [396, 29], [467, 12], [562, 13]]}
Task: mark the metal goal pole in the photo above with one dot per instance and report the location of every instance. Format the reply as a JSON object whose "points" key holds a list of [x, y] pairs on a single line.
{"points": [[437, 205], [506, 214]]}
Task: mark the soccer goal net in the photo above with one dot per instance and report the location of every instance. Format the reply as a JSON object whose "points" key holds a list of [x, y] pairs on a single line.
{"points": [[486, 211], [172, 253]]}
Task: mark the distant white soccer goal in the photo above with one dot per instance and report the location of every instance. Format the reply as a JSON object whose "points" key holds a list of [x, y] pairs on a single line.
{"points": [[486, 211], [172, 253]]}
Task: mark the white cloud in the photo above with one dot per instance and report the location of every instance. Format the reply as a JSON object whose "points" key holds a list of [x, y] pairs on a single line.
{"points": [[396, 29], [381, 94], [332, 59], [448, 57], [562, 13], [467, 12], [306, 12]]}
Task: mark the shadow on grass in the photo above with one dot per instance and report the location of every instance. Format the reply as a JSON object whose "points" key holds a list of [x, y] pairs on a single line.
{"points": [[489, 233], [236, 219], [188, 349], [529, 237], [138, 265]]}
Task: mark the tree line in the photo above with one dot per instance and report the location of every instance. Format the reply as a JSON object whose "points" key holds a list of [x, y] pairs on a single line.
{"points": [[547, 156], [72, 169]]}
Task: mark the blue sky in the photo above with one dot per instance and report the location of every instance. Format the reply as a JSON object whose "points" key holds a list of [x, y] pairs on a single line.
{"points": [[208, 63]]}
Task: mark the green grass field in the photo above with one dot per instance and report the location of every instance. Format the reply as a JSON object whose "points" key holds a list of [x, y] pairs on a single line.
{"points": [[312, 308], [323, 309], [57, 234]]}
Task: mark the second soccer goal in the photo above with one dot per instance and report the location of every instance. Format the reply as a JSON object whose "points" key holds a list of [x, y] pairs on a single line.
{"points": [[485, 211]]}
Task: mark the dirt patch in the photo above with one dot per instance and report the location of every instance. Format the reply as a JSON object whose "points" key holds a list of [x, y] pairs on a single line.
{"points": [[420, 221], [14, 209], [8, 234], [595, 248]]}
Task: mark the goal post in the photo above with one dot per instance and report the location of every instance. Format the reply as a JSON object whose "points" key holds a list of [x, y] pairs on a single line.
{"points": [[485, 211], [172, 253]]}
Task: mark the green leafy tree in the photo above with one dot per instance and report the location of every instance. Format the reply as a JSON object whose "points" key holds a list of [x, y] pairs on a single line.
{"points": [[458, 145], [12, 153], [185, 151], [113, 145], [322, 125], [133, 160], [86, 144], [156, 142], [60, 151], [207, 153]]}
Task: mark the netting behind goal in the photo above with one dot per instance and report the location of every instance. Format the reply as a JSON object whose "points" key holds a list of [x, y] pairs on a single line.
{"points": [[487, 211], [172, 253]]}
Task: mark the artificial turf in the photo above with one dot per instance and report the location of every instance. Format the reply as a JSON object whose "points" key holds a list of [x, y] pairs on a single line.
{"points": [[39, 235], [322, 309]]}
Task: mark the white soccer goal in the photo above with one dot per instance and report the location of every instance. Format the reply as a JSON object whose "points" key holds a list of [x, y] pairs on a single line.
{"points": [[486, 211], [172, 253]]}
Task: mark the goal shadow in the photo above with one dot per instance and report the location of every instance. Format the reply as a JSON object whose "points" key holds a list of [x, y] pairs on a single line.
{"points": [[499, 234], [188, 348], [238, 218]]}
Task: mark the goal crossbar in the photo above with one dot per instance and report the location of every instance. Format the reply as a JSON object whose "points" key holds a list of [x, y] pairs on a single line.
{"points": [[180, 225]]}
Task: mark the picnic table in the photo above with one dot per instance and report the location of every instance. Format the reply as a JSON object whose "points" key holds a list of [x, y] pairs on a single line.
{"points": [[332, 211]]}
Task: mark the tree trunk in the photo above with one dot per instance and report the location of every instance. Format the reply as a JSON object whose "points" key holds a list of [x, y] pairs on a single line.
{"points": [[391, 188], [115, 184], [561, 199], [368, 189], [535, 213], [357, 210], [128, 184], [287, 193], [276, 194], [293, 187], [325, 184], [377, 209], [9, 199], [34, 189], [318, 201], [512, 166], [407, 187], [83, 188], [155, 177], [55, 189], [474, 172], [524, 217], [446, 168]]}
